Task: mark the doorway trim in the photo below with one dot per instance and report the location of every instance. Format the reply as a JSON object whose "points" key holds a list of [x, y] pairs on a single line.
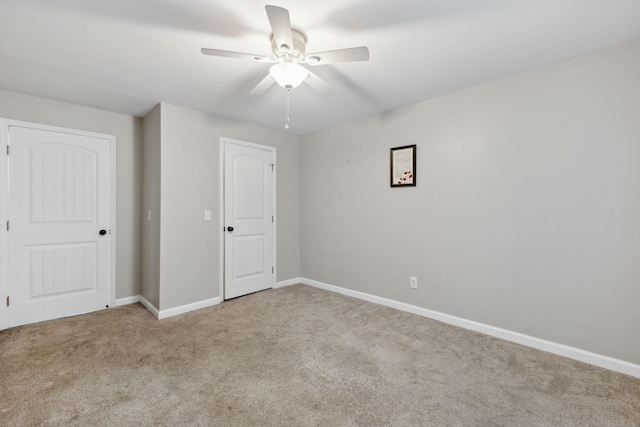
{"points": [[223, 141], [5, 124]]}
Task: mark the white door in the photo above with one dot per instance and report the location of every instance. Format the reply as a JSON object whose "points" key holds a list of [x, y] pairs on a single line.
{"points": [[59, 203], [249, 180]]}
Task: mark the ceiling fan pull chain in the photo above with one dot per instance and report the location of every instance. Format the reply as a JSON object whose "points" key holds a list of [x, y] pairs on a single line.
{"points": [[286, 126]]}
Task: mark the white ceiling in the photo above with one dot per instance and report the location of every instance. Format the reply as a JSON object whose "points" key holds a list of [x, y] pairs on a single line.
{"points": [[128, 55]]}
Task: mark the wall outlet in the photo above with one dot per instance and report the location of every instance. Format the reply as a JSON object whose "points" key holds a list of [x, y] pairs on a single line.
{"points": [[413, 282]]}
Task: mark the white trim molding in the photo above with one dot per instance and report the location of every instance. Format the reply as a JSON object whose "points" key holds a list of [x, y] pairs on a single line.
{"points": [[4, 245], [170, 312], [289, 282], [163, 314], [152, 308], [128, 300], [505, 334]]}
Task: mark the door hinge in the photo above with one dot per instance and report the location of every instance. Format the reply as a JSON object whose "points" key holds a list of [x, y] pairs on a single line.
{"points": [[8, 225], [8, 150], [7, 301], [273, 270], [271, 218], [272, 165]]}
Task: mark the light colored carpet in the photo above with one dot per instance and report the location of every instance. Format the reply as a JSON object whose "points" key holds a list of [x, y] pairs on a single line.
{"points": [[296, 356]]}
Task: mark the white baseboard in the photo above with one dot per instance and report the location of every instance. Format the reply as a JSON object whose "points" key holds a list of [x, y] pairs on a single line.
{"points": [[128, 300], [163, 314], [289, 282], [505, 334], [152, 308]]}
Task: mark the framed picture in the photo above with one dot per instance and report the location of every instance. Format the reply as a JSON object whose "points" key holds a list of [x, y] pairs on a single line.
{"points": [[403, 166]]}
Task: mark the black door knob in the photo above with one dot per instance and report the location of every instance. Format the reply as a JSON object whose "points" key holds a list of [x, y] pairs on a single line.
{"points": [[103, 232], [229, 228]]}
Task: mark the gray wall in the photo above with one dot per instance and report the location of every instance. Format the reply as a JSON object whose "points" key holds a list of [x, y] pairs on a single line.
{"points": [[526, 213], [150, 229], [190, 179], [127, 131]]}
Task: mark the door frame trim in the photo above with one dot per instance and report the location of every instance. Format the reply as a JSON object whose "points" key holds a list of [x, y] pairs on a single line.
{"points": [[5, 124], [223, 141]]}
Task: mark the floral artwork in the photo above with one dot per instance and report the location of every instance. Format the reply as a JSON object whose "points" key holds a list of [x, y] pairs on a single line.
{"points": [[403, 166], [406, 178]]}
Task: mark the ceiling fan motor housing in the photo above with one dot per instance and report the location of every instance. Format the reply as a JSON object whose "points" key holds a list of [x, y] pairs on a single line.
{"points": [[297, 51]]}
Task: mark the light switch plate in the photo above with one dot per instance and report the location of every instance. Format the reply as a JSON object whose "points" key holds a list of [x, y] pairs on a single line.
{"points": [[207, 215]]}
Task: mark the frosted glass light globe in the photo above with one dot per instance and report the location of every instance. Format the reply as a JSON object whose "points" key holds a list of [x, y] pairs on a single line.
{"points": [[288, 74]]}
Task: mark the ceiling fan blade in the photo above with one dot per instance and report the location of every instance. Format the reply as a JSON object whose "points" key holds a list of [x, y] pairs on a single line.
{"points": [[280, 25], [318, 84], [263, 85], [353, 54], [229, 54]]}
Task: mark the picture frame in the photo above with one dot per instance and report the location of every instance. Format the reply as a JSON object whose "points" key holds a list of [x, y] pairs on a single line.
{"points": [[403, 166]]}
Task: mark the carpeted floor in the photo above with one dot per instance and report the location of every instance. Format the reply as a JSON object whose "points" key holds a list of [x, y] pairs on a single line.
{"points": [[296, 356]]}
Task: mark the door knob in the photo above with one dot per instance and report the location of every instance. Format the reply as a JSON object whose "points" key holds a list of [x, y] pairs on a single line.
{"points": [[229, 228], [103, 232]]}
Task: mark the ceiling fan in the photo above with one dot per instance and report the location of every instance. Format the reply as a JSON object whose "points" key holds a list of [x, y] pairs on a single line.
{"points": [[289, 50]]}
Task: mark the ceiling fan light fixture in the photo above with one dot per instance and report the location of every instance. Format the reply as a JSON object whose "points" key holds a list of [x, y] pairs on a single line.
{"points": [[289, 75], [289, 47]]}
